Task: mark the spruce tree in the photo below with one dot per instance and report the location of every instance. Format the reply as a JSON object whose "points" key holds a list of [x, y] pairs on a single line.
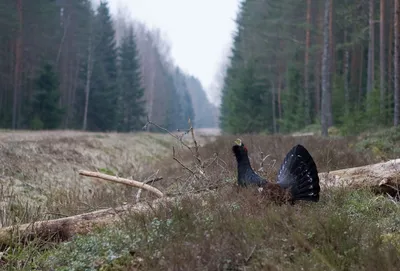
{"points": [[104, 89], [249, 110], [130, 103], [46, 113]]}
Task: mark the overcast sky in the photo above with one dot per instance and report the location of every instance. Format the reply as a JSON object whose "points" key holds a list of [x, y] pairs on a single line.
{"points": [[199, 31]]}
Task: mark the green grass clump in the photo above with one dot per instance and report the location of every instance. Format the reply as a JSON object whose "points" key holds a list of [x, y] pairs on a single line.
{"points": [[384, 143]]}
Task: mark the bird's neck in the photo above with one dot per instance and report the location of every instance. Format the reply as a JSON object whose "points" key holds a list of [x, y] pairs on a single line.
{"points": [[243, 166]]}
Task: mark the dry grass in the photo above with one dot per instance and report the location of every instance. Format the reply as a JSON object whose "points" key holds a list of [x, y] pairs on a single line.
{"points": [[227, 230], [39, 178]]}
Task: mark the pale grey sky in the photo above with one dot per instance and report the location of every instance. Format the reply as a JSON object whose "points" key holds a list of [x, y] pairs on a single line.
{"points": [[199, 31]]}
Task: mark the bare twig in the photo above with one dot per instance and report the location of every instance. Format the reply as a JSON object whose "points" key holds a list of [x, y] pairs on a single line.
{"points": [[248, 258], [263, 158], [147, 182], [195, 153], [171, 134], [122, 181], [196, 146], [179, 162], [213, 160]]}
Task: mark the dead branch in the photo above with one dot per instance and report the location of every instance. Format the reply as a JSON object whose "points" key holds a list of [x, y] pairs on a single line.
{"points": [[182, 165], [147, 182], [196, 146], [195, 153], [180, 139], [122, 181]]}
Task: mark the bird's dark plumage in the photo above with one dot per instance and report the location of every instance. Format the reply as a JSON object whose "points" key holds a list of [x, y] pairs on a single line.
{"points": [[297, 175]]}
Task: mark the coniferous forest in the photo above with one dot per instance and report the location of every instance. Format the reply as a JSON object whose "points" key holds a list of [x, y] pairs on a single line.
{"points": [[71, 65], [313, 63], [293, 65]]}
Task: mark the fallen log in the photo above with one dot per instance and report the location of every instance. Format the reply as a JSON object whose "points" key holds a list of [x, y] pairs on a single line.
{"points": [[63, 229], [382, 176]]}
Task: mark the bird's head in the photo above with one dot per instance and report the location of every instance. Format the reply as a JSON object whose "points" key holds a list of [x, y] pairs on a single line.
{"points": [[239, 149]]}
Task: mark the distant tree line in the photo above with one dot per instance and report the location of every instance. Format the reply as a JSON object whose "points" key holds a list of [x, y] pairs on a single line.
{"points": [[295, 64], [69, 65]]}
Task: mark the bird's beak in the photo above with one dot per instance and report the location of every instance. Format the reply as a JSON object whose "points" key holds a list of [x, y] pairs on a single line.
{"points": [[238, 142]]}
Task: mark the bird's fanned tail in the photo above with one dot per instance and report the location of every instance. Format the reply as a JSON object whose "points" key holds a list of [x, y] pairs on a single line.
{"points": [[299, 173]]}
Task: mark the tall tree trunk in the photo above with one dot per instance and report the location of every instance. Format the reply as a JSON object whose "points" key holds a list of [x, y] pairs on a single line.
{"points": [[326, 99], [331, 53], [331, 41], [390, 56], [273, 100], [396, 62], [353, 67], [65, 30], [320, 40], [371, 49], [89, 68], [150, 107], [360, 76], [306, 61], [382, 78], [346, 63], [279, 90], [281, 71], [17, 66]]}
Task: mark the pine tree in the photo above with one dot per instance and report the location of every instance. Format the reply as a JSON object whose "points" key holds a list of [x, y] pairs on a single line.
{"points": [[130, 104], [46, 113], [104, 89]]}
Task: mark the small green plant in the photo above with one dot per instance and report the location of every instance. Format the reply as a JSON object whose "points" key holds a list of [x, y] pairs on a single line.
{"points": [[107, 171]]}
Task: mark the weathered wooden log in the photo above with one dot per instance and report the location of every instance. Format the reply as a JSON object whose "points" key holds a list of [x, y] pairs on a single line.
{"points": [[64, 228], [382, 177]]}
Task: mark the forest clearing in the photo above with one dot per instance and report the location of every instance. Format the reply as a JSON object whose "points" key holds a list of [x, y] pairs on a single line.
{"points": [[216, 228]]}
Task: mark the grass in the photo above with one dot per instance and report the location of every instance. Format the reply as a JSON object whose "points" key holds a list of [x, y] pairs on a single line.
{"points": [[385, 144], [226, 230], [231, 231], [40, 169]]}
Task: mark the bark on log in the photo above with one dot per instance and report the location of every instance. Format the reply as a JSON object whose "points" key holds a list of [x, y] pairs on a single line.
{"points": [[384, 177]]}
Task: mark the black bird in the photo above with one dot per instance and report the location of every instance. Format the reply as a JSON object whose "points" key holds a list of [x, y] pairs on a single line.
{"points": [[297, 178]]}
